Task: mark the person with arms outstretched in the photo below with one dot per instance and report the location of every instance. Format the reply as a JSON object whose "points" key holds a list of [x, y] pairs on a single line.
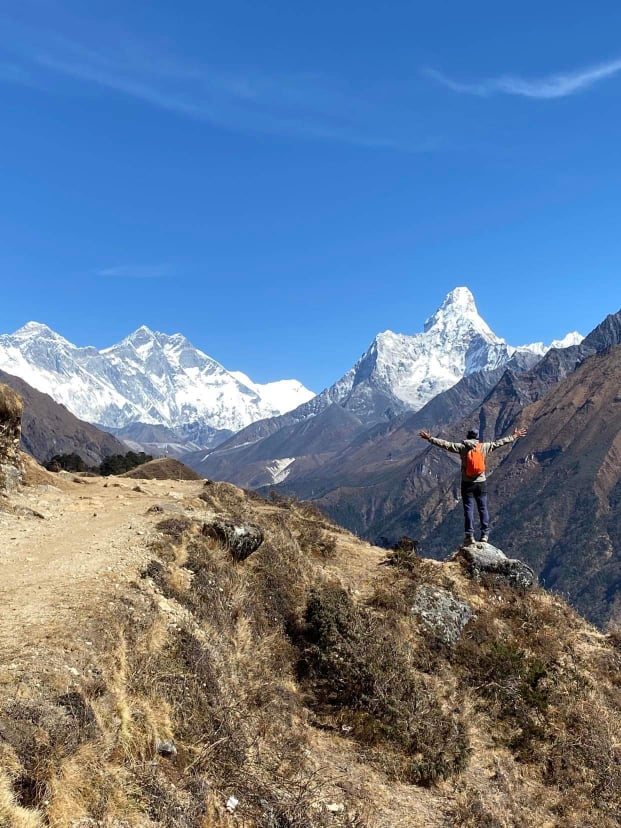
{"points": [[473, 479]]}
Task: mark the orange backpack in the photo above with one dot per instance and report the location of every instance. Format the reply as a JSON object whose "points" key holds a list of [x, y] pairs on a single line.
{"points": [[475, 462]]}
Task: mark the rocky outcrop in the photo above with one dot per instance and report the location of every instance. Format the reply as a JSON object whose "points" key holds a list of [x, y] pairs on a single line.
{"points": [[443, 615], [484, 559], [241, 539], [10, 434]]}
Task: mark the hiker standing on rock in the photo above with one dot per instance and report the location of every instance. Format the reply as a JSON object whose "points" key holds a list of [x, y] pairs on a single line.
{"points": [[473, 480]]}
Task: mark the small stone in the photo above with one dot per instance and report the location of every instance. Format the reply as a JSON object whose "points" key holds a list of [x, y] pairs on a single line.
{"points": [[231, 804], [166, 748]]}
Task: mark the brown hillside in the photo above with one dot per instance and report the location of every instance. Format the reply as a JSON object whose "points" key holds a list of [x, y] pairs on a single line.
{"points": [[148, 680], [557, 496], [163, 468], [49, 428]]}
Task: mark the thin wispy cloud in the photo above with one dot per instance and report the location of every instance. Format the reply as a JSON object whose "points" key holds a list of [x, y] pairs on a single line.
{"points": [[551, 86], [135, 271], [303, 105]]}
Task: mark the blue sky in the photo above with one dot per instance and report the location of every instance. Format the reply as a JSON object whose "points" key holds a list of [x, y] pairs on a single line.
{"points": [[280, 181]]}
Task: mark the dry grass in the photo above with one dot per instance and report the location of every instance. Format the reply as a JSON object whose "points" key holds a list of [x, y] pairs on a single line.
{"points": [[162, 468], [276, 677], [360, 670]]}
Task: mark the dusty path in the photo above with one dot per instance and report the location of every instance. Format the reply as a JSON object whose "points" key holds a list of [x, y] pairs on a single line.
{"points": [[92, 537]]}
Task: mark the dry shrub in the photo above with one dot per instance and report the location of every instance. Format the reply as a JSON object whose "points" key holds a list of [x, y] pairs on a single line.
{"points": [[614, 636], [585, 757], [174, 527], [283, 501], [42, 733], [315, 541], [357, 665], [514, 688], [226, 676], [254, 497], [519, 659], [12, 813], [470, 811], [390, 598]]}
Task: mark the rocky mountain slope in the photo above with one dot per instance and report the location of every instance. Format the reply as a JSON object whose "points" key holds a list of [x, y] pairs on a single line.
{"points": [[149, 378], [315, 683], [49, 429], [386, 479], [558, 493], [396, 375]]}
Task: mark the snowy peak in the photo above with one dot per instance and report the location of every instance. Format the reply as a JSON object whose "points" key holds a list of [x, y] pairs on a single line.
{"points": [[36, 331], [457, 302], [148, 377], [540, 348], [458, 311], [572, 338], [412, 369]]}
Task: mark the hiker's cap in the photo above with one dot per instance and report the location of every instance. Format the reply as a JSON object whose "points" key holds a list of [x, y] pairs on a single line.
{"points": [[472, 435]]}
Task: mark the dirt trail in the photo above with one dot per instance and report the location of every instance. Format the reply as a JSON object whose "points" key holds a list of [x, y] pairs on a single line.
{"points": [[92, 537], [59, 570]]}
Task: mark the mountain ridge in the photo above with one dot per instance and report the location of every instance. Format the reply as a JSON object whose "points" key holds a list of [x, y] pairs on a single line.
{"points": [[148, 377], [398, 374], [48, 428]]}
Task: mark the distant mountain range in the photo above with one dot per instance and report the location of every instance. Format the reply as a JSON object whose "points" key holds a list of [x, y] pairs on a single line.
{"points": [[49, 429], [396, 376], [354, 448], [160, 393], [149, 378]]}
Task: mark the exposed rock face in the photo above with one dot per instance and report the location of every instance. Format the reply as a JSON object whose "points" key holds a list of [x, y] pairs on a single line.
{"points": [[10, 434], [242, 539], [484, 559], [441, 613]]}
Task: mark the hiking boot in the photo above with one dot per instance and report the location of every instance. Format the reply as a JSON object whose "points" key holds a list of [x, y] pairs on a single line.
{"points": [[484, 538], [468, 540]]}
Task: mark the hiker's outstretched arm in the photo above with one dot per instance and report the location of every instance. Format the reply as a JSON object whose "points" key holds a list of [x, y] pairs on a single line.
{"points": [[494, 444], [443, 444]]}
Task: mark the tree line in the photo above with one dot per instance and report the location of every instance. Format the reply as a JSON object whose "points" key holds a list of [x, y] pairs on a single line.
{"points": [[114, 464]]}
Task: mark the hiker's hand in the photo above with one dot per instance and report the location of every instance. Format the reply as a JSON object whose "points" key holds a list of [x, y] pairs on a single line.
{"points": [[424, 434], [519, 432]]}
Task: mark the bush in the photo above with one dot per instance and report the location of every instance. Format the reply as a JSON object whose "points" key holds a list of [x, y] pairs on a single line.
{"points": [[313, 539], [359, 667], [67, 462], [174, 527], [114, 464], [121, 463]]}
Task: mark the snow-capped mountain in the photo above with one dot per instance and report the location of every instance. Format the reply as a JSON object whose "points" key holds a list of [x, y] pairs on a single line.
{"points": [[398, 373], [412, 369], [149, 377]]}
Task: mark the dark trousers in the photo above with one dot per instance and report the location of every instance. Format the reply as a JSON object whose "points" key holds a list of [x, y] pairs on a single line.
{"points": [[472, 493]]}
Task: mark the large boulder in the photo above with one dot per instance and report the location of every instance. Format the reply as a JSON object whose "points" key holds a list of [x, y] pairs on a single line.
{"points": [[441, 612], [481, 559], [10, 434], [241, 539]]}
